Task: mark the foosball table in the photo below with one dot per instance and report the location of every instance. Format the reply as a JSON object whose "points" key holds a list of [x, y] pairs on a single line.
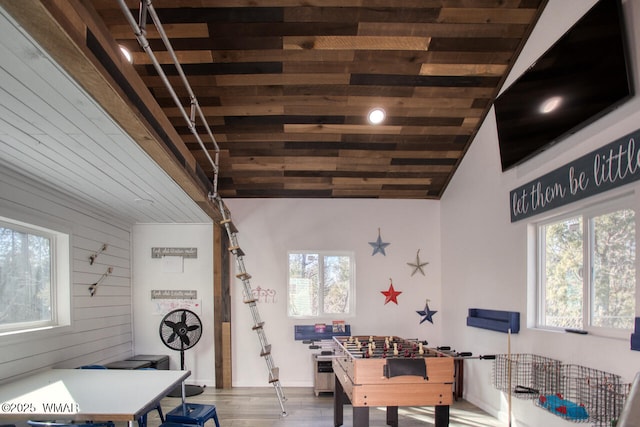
{"points": [[392, 372]]}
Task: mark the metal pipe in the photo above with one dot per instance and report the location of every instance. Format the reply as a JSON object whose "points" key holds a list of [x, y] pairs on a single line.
{"points": [[139, 32]]}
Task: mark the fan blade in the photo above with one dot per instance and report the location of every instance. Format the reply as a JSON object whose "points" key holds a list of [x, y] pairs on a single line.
{"points": [[172, 337], [185, 339], [193, 327], [184, 317], [170, 324]]}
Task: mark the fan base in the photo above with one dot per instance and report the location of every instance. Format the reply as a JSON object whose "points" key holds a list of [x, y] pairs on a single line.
{"points": [[189, 390]]}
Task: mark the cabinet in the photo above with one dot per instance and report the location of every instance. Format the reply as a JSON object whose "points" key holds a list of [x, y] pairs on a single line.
{"points": [[323, 377]]}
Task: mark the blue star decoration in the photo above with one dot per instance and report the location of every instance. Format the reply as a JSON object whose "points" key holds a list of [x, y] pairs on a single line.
{"points": [[379, 245], [427, 313]]}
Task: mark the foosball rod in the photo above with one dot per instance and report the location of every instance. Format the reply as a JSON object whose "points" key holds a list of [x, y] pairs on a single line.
{"points": [[466, 355]]}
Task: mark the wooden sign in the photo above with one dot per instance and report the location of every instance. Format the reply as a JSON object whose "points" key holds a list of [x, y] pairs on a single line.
{"points": [[182, 252], [609, 167]]}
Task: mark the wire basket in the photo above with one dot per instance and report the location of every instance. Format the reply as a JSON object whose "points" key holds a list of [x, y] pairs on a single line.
{"points": [[586, 395], [531, 375]]}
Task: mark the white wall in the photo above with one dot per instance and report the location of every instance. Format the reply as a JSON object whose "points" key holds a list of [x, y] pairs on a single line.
{"points": [[485, 257], [100, 329], [151, 274], [270, 228]]}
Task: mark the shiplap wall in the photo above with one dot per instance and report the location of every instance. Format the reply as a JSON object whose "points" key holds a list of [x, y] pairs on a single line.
{"points": [[100, 329]]}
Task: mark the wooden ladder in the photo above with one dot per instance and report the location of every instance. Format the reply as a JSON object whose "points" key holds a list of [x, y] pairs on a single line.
{"points": [[250, 301]]}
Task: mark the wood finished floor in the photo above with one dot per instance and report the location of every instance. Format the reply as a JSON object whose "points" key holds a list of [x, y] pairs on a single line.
{"points": [[259, 407]]}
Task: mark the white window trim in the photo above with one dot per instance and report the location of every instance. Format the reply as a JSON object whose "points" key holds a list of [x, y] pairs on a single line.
{"points": [[60, 283], [615, 200], [352, 299]]}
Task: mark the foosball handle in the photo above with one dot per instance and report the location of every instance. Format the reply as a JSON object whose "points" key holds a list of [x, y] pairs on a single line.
{"points": [[465, 354], [445, 348], [488, 357]]}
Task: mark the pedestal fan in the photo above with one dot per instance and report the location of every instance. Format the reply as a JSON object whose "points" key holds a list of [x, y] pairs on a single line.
{"points": [[180, 330]]}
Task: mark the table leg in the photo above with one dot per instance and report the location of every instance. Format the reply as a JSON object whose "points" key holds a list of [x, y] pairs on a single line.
{"points": [[360, 416], [392, 416], [442, 415], [338, 402], [459, 374]]}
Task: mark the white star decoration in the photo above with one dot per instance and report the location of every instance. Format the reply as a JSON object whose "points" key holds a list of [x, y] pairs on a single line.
{"points": [[379, 245], [418, 265]]}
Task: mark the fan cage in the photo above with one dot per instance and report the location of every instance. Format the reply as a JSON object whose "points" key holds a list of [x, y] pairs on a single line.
{"points": [[178, 316]]}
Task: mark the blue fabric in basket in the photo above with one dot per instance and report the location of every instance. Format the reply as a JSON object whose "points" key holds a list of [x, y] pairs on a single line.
{"points": [[564, 408]]}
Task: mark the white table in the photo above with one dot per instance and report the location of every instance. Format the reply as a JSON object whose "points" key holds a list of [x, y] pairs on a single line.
{"points": [[87, 394]]}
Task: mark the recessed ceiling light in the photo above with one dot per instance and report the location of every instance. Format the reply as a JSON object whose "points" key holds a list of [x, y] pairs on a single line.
{"points": [[126, 54], [376, 116], [550, 104]]}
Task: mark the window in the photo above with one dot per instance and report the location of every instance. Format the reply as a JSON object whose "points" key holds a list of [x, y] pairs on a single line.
{"points": [[29, 275], [321, 284], [587, 270]]}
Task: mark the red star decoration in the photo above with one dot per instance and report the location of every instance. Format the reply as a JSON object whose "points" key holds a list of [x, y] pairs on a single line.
{"points": [[391, 295]]}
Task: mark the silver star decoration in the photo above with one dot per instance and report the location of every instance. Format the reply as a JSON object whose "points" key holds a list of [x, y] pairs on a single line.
{"points": [[418, 265], [379, 245]]}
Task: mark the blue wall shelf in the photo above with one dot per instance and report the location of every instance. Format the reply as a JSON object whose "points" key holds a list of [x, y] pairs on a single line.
{"points": [[635, 336], [494, 320]]}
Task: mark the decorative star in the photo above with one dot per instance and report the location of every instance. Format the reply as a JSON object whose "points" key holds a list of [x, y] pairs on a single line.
{"points": [[391, 294], [427, 313], [418, 265], [379, 245]]}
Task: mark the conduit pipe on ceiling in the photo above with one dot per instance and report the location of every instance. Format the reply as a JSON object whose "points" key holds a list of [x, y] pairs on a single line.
{"points": [[140, 32]]}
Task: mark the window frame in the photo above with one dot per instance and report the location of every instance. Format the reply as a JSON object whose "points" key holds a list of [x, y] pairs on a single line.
{"points": [[352, 285], [60, 280], [587, 212]]}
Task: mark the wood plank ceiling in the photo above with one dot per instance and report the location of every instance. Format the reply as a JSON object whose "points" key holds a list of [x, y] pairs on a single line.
{"points": [[286, 86]]}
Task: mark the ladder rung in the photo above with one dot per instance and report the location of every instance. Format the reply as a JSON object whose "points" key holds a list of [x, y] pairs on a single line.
{"points": [[236, 250], [274, 375], [243, 276], [258, 326], [232, 227], [266, 350]]}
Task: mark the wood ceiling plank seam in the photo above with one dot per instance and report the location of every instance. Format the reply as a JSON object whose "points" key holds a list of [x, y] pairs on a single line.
{"points": [[463, 69], [411, 103], [176, 30], [487, 15], [364, 12], [281, 79], [355, 43], [185, 57], [441, 29]]}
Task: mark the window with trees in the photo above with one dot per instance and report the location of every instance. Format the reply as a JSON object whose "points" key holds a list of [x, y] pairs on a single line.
{"points": [[321, 283], [28, 276], [587, 269]]}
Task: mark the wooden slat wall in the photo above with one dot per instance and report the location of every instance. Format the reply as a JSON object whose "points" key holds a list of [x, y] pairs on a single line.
{"points": [[101, 329]]}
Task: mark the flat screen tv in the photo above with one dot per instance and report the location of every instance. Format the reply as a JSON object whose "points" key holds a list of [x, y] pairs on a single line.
{"points": [[584, 75]]}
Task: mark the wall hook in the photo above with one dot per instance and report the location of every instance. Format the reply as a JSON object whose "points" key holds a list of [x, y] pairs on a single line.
{"points": [[93, 257], [93, 287]]}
